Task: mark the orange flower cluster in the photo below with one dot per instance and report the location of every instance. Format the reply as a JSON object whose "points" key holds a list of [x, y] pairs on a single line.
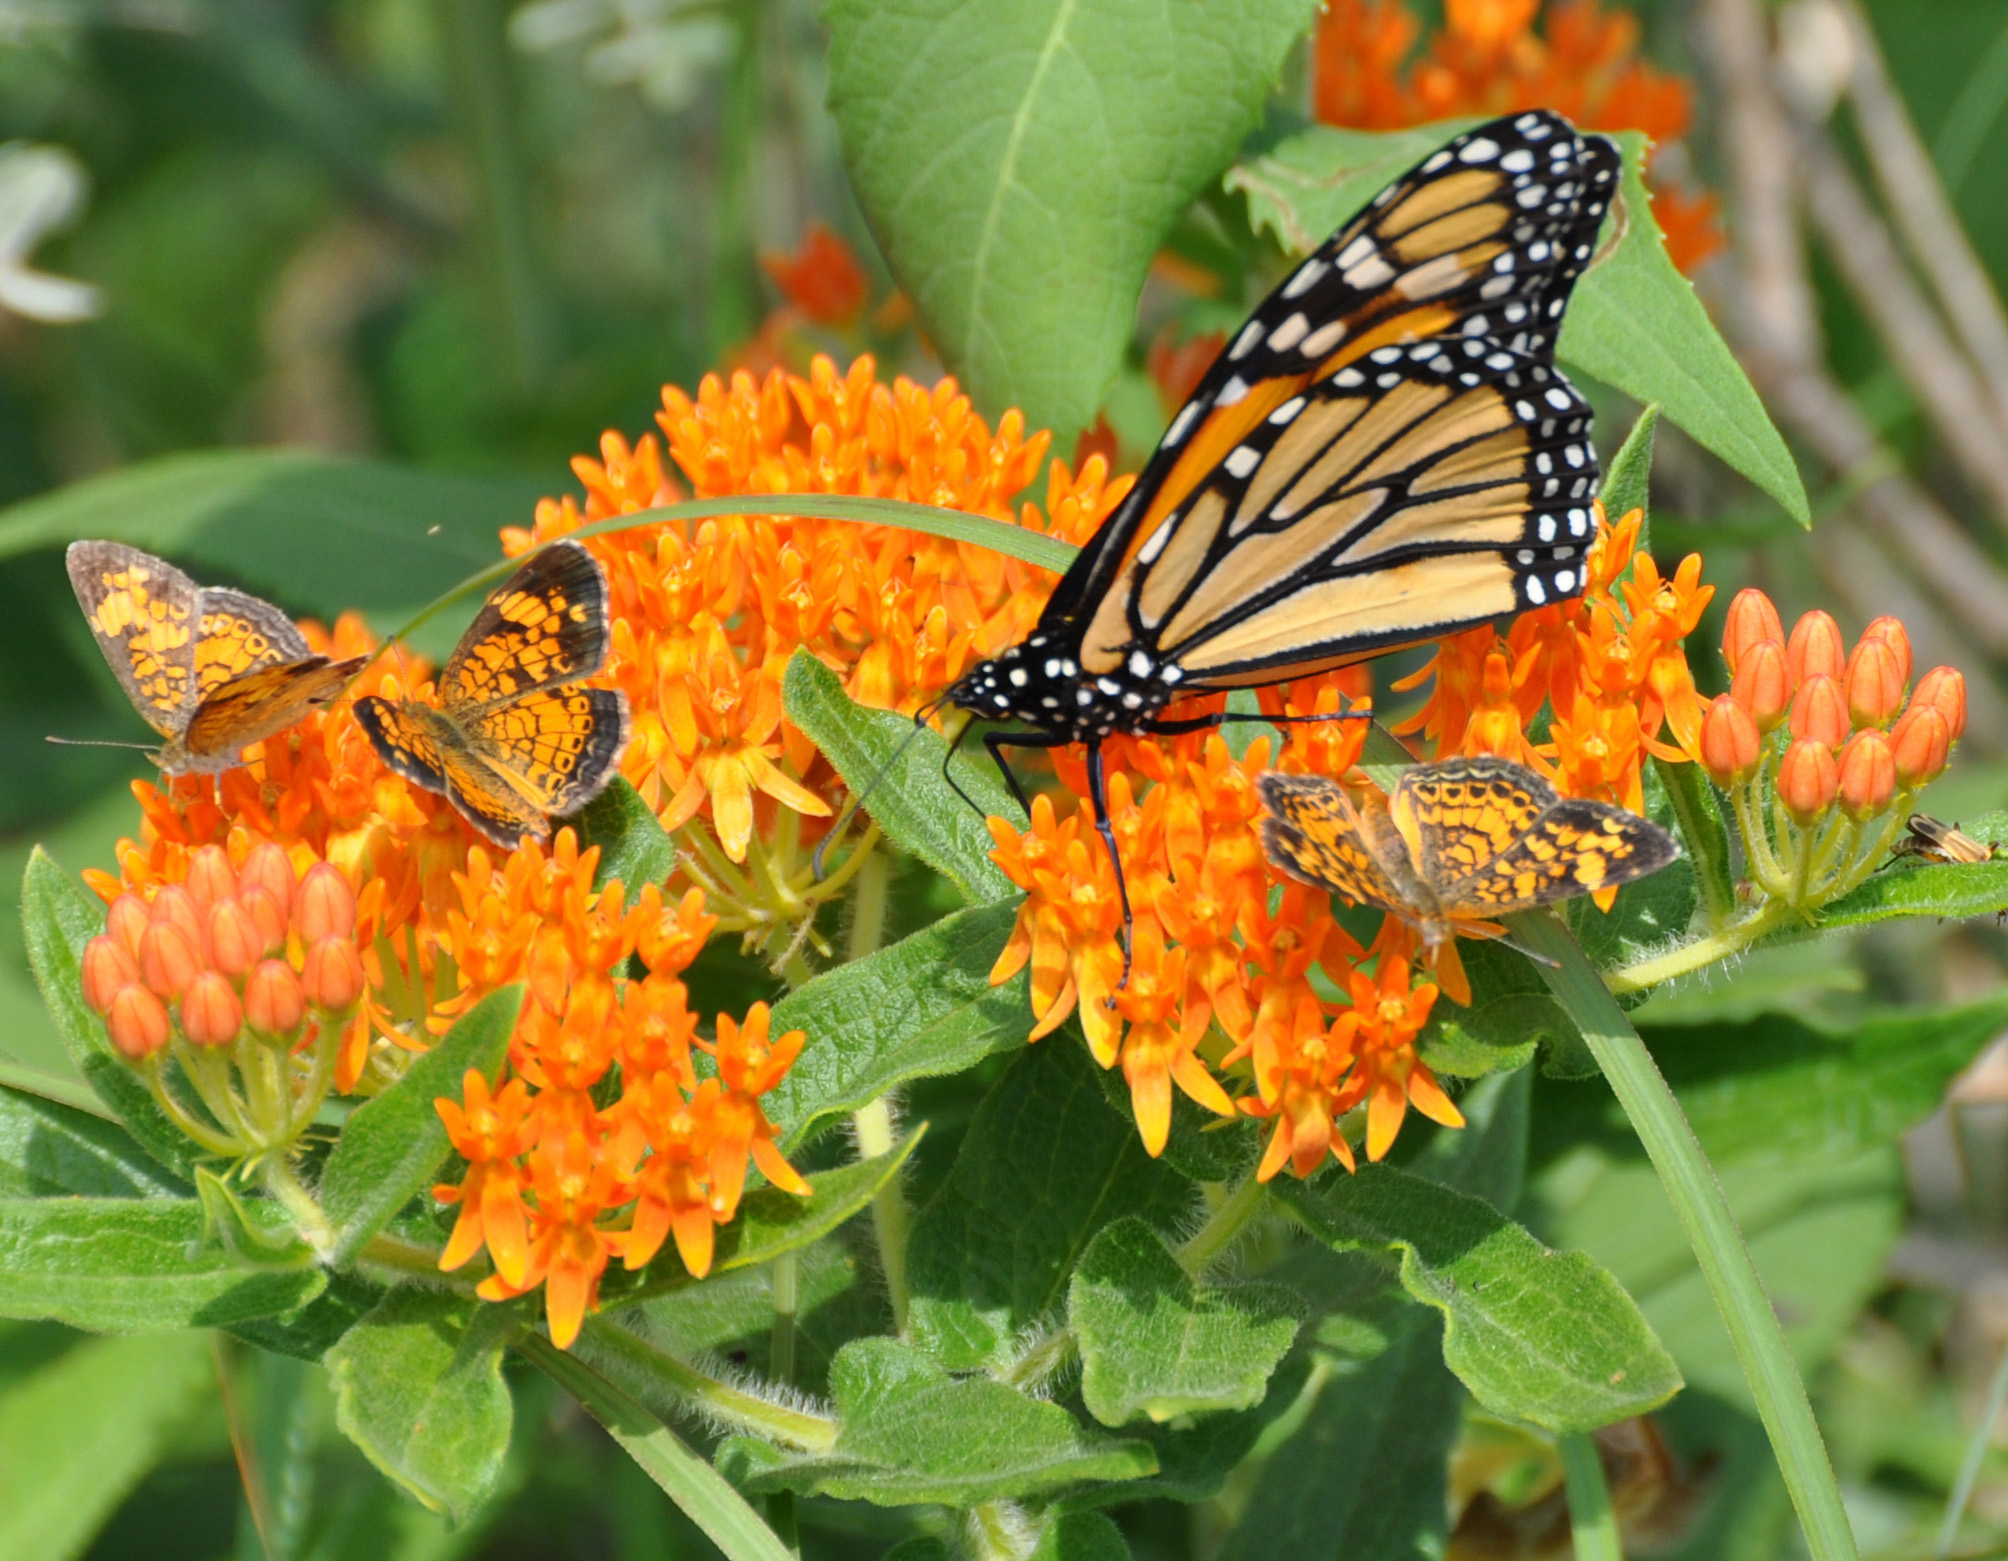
{"points": [[707, 615], [556, 1182], [1486, 60], [1221, 939], [1608, 665]]}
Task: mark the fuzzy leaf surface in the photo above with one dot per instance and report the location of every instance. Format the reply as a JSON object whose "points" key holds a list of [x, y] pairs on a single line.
{"points": [[634, 847], [49, 1150]]}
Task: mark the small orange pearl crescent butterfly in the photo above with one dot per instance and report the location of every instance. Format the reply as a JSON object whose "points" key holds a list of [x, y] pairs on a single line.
{"points": [[516, 738], [1457, 843], [211, 669]]}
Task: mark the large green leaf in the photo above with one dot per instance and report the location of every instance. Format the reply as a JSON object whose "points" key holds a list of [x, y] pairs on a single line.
{"points": [[1155, 1345], [634, 847], [1080, 1536], [1915, 888], [391, 1147], [920, 1009], [78, 1434], [1021, 160], [418, 1387], [131, 1265], [912, 1433], [1634, 322], [1046, 1163], [1536, 1334], [49, 1150], [897, 768], [58, 918], [1363, 1477]]}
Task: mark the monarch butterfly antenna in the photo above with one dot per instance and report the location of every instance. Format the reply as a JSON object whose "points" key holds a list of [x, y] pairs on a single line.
{"points": [[97, 742], [920, 719], [1536, 957]]}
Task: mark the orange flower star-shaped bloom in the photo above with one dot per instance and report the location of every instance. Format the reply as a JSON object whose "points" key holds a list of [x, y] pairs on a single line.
{"points": [[568, 1252], [1391, 1015], [1159, 1050], [488, 1131]]}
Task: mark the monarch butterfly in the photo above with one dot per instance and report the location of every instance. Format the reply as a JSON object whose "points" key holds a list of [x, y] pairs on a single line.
{"points": [[1383, 455]]}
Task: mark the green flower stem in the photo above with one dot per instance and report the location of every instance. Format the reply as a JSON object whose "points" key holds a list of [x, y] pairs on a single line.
{"points": [[643, 1367], [1685, 786], [173, 1110], [687, 1479], [1591, 1521], [1222, 1226], [286, 1188], [1704, 1213], [210, 1076], [873, 1123], [1703, 951]]}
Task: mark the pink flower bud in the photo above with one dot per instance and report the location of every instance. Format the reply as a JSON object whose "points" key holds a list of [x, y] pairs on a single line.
{"points": [[1893, 634], [332, 975], [126, 920], [1815, 647], [209, 877], [274, 1002], [1874, 682], [1762, 686], [107, 967], [1868, 774], [1922, 742], [210, 1012], [137, 1023], [1731, 745], [1820, 711], [266, 915], [268, 868], [1945, 688], [1808, 779], [1751, 618], [168, 961], [326, 907], [235, 941]]}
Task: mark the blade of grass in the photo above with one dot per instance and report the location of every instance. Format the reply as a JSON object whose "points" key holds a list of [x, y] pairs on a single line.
{"points": [[688, 1480], [1689, 1180], [1969, 1466], [1591, 1522]]}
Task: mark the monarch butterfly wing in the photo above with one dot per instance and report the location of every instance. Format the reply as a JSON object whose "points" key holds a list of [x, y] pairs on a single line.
{"points": [[543, 626], [1398, 382], [1575, 847], [1313, 834], [1459, 815]]}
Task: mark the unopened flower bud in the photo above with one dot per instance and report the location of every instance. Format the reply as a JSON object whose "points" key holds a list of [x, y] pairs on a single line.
{"points": [[107, 967], [332, 975], [266, 915], [1751, 618], [175, 906], [274, 1002], [1820, 711], [1893, 634], [137, 1023], [1731, 745], [326, 907], [210, 1012], [1815, 647], [168, 960], [1762, 686], [126, 921], [1808, 779], [235, 940], [267, 867], [1868, 774], [1875, 682], [210, 877], [1922, 741], [1944, 687]]}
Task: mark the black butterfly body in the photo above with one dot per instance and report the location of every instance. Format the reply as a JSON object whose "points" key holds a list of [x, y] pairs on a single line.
{"points": [[1384, 454]]}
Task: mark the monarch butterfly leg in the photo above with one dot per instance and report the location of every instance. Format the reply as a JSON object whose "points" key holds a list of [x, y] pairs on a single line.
{"points": [[995, 743], [1098, 796]]}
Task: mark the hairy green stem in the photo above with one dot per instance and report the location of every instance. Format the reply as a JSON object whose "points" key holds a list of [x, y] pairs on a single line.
{"points": [[1704, 951], [643, 1366], [1591, 1522], [288, 1191], [873, 1124], [1222, 1226], [1754, 1330]]}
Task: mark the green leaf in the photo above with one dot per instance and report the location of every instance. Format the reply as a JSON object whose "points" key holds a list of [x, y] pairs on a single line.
{"points": [[272, 1404], [1949, 889], [1153, 1344], [392, 1147], [1080, 1536], [1509, 1017], [1487, 1157], [920, 1009], [771, 1222], [1694, 812], [49, 1150], [912, 1432], [418, 1387], [58, 918], [128, 1265], [1634, 322], [1045, 1164], [318, 533], [1628, 483], [634, 847], [1363, 1477], [1020, 161], [901, 764], [1535, 1334], [311, 1331], [1649, 913], [81, 1432]]}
